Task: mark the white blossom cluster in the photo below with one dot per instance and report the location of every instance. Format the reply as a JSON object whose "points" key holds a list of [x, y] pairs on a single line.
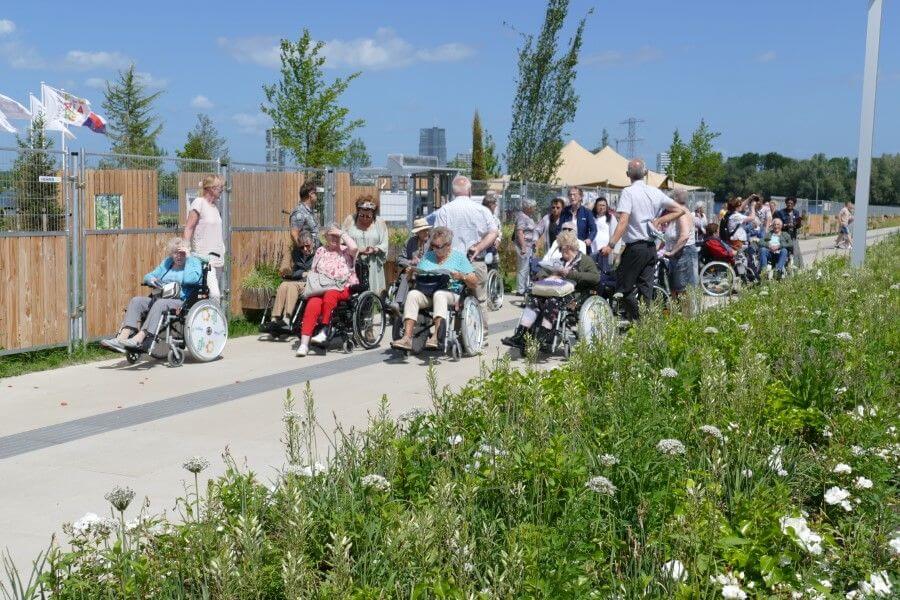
{"points": [[775, 463], [120, 497], [844, 336], [731, 586], [670, 447], [668, 372], [711, 330], [712, 431], [195, 464], [674, 570], [92, 524], [878, 585], [608, 460], [312, 470], [601, 485], [839, 496], [376, 482], [805, 537]]}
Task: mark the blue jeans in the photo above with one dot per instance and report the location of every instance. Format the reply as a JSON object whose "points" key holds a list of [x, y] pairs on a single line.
{"points": [[765, 255], [683, 269]]}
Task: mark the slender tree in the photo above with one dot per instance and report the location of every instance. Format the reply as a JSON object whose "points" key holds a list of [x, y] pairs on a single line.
{"points": [[356, 155], [204, 142], [132, 127], [696, 162], [479, 172], [306, 116], [492, 167], [35, 199], [545, 100], [604, 141]]}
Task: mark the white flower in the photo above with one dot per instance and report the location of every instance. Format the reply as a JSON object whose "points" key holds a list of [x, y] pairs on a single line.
{"points": [[862, 483], [894, 545], [195, 464], [840, 390], [291, 416], [674, 570], [377, 482], [762, 293], [733, 427], [825, 584], [840, 496], [601, 485], [815, 332], [748, 473], [857, 450], [878, 585], [120, 497], [305, 470], [827, 432], [711, 431], [819, 274], [731, 587], [844, 336], [774, 461], [670, 447], [745, 327], [805, 537], [895, 286], [487, 449], [455, 440], [668, 372], [842, 469], [712, 330], [608, 460]]}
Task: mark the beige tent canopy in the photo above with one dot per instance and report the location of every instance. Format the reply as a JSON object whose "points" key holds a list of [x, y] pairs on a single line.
{"points": [[606, 168]]}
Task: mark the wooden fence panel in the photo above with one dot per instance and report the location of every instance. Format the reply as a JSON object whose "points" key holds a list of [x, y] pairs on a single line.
{"points": [[345, 195], [250, 248], [139, 189], [33, 291], [115, 265], [258, 198]]}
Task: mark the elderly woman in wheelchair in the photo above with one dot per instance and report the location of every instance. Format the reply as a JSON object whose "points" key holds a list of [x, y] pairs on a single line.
{"points": [[440, 282], [559, 297], [178, 317]]}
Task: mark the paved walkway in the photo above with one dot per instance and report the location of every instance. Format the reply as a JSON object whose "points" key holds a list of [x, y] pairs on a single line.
{"points": [[68, 436]]}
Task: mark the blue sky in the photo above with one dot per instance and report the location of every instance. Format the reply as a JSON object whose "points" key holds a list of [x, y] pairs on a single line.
{"points": [[770, 75]]}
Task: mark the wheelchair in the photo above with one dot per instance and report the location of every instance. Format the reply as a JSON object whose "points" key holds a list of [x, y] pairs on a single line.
{"points": [[359, 321], [494, 283], [722, 277], [198, 327], [463, 332]]}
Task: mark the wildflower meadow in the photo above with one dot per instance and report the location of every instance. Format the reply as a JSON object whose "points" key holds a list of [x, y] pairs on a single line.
{"points": [[749, 452]]}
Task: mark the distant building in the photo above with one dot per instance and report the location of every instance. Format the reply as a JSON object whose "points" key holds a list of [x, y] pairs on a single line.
{"points": [[275, 153], [433, 142], [463, 160], [663, 160]]}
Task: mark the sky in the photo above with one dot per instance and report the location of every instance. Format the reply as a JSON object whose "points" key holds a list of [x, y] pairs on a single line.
{"points": [[769, 75]]}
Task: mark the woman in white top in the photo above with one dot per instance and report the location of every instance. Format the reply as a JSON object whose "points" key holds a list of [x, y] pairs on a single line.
{"points": [[606, 224], [203, 230]]}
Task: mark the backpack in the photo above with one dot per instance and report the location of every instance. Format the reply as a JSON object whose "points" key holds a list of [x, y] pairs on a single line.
{"points": [[725, 233]]}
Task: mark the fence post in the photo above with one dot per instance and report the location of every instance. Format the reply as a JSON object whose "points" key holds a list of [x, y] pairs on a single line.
{"points": [[410, 201], [225, 174], [76, 190], [328, 216], [69, 182]]}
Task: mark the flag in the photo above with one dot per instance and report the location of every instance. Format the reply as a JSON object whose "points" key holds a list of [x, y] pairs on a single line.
{"points": [[37, 108], [6, 125], [12, 109], [64, 107], [95, 123]]}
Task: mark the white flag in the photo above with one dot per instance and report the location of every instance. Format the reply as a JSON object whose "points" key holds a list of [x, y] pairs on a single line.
{"points": [[64, 107], [5, 125], [12, 109], [37, 108]]}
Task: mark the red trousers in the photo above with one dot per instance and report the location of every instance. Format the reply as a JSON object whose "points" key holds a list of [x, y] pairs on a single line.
{"points": [[321, 307]]}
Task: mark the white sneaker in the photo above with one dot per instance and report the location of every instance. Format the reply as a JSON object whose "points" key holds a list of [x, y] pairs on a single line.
{"points": [[303, 350], [319, 338]]}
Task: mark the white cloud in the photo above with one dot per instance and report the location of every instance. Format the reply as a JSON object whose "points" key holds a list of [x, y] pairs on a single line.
{"points": [[20, 56], [6, 26], [254, 124], [259, 50], [617, 58], [767, 56], [385, 50], [202, 102], [96, 82], [85, 60], [150, 81]]}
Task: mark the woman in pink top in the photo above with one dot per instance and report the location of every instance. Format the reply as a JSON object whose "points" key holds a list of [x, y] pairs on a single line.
{"points": [[203, 230], [336, 260]]}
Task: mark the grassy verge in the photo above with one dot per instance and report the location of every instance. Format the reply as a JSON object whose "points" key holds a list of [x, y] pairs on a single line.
{"points": [[54, 358], [751, 452]]}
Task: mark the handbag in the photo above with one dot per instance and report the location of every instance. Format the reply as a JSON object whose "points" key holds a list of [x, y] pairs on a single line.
{"points": [[429, 283], [318, 283]]}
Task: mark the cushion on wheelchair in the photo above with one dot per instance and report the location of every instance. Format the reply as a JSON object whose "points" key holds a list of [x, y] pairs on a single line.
{"points": [[429, 283], [552, 288], [358, 288]]}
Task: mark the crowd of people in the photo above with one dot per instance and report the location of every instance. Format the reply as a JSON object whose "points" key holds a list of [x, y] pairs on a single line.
{"points": [[572, 241]]}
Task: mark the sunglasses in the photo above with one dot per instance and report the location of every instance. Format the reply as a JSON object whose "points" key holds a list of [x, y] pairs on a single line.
{"points": [[439, 247]]}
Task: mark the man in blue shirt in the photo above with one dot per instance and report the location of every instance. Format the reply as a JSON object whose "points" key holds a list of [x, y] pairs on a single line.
{"points": [[585, 224]]}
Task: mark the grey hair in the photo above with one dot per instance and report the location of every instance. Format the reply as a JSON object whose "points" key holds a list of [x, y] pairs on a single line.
{"points": [[442, 232], [305, 236], [528, 203], [637, 169], [462, 186], [174, 244], [777, 220], [680, 196], [567, 239]]}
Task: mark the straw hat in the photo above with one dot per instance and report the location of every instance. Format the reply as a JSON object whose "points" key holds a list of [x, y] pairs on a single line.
{"points": [[420, 225]]}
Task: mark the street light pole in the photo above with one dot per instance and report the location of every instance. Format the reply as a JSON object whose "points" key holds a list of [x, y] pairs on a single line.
{"points": [[866, 131]]}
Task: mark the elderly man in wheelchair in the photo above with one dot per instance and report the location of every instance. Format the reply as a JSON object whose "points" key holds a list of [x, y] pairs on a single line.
{"points": [[442, 299], [562, 297], [177, 315]]}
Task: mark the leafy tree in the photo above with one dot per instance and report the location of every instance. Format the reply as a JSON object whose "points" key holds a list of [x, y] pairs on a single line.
{"points": [[306, 116], [132, 127], [696, 162], [491, 158], [545, 100], [204, 142], [33, 198], [356, 155], [479, 172]]}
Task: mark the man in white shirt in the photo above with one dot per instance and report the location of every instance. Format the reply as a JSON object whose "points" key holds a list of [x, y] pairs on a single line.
{"points": [[641, 209], [474, 231]]}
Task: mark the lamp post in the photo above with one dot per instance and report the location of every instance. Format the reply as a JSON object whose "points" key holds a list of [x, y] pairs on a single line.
{"points": [[866, 130]]}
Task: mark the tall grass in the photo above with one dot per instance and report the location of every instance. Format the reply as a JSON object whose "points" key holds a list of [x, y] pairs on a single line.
{"points": [[708, 433]]}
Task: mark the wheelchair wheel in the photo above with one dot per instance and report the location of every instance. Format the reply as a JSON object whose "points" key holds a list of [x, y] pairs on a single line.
{"points": [[494, 287], [596, 322], [175, 357], [369, 320], [132, 357], [205, 331], [471, 328], [717, 279]]}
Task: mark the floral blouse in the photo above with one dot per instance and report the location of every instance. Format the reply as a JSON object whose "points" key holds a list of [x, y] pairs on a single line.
{"points": [[338, 265]]}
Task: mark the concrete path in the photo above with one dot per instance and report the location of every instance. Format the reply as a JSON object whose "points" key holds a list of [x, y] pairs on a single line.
{"points": [[67, 436]]}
